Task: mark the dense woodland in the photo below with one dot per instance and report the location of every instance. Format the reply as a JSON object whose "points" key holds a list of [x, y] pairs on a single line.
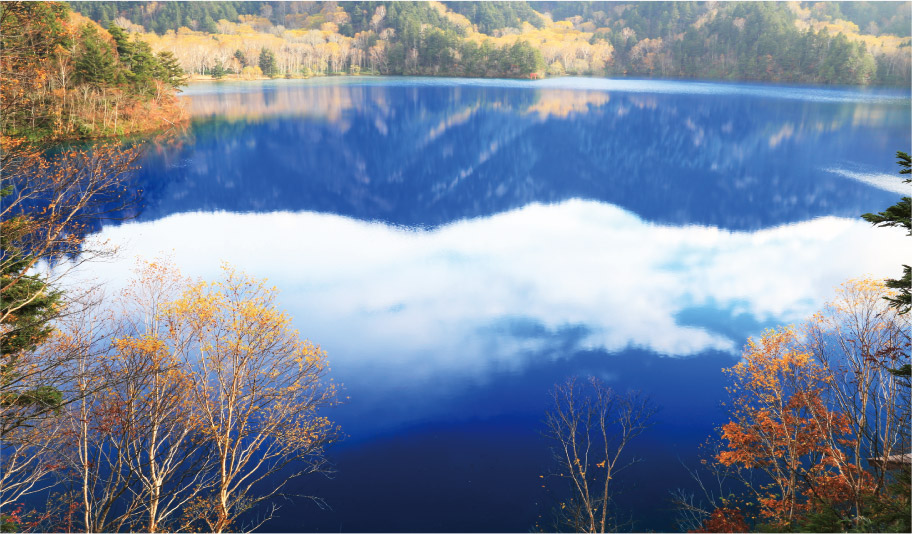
{"points": [[856, 43], [64, 76]]}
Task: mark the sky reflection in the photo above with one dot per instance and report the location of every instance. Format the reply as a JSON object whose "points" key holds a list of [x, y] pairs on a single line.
{"points": [[426, 154], [459, 246], [546, 281]]}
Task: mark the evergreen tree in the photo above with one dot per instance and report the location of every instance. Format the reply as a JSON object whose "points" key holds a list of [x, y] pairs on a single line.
{"points": [[95, 63], [268, 63], [899, 214], [218, 71], [27, 305], [242, 59], [170, 70]]}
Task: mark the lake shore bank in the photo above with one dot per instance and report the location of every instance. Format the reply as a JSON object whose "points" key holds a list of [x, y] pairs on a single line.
{"points": [[203, 78]]}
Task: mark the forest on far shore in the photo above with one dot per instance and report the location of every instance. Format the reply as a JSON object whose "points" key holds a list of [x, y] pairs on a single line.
{"points": [[846, 43]]}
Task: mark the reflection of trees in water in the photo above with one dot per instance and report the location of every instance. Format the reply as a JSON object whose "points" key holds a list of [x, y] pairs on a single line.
{"points": [[431, 155]]}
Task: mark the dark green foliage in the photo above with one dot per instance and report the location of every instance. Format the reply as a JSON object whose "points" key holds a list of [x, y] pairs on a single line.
{"points": [[218, 71], [268, 63], [209, 25], [140, 65], [899, 214], [27, 304], [167, 15], [169, 70], [491, 16], [9, 523], [95, 63], [41, 398], [242, 59], [131, 63], [885, 512]]}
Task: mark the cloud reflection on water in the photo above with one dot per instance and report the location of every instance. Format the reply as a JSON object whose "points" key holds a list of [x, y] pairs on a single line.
{"points": [[408, 305]]}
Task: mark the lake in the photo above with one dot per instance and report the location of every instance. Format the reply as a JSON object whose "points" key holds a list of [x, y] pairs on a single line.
{"points": [[458, 247]]}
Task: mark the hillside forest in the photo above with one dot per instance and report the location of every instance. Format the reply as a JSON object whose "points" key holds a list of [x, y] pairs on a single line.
{"points": [[858, 43]]}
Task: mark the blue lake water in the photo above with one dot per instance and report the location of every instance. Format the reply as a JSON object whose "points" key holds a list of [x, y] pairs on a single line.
{"points": [[459, 246]]}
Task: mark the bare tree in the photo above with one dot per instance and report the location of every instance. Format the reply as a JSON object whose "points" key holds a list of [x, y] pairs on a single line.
{"points": [[49, 205], [592, 426], [858, 339], [715, 487]]}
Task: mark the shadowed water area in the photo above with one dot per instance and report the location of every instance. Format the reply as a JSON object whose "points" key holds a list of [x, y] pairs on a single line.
{"points": [[459, 246]]}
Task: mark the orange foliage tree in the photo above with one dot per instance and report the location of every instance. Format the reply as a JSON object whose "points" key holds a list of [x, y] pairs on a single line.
{"points": [[859, 338], [777, 396], [724, 520], [817, 413], [62, 76]]}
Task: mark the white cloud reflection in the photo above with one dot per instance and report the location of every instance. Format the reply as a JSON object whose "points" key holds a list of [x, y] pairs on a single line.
{"points": [[388, 301], [888, 182]]}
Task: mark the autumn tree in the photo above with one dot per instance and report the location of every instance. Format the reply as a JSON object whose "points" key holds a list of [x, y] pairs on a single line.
{"points": [[777, 396], [820, 417], [715, 503], [148, 404], [257, 389], [591, 426], [192, 396], [724, 519], [56, 77], [62, 77], [859, 338], [50, 205]]}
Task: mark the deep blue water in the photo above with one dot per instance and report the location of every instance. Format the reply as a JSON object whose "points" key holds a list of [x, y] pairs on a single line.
{"points": [[458, 247]]}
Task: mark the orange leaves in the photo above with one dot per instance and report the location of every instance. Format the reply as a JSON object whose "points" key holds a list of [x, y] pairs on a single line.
{"points": [[724, 520], [808, 406], [780, 422], [199, 389]]}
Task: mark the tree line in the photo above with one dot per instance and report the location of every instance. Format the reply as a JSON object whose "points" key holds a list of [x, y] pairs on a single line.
{"points": [[804, 43]]}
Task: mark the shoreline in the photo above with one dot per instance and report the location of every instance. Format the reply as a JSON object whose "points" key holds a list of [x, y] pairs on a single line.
{"points": [[204, 78]]}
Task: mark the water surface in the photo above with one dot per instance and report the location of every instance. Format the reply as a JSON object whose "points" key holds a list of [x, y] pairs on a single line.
{"points": [[460, 246]]}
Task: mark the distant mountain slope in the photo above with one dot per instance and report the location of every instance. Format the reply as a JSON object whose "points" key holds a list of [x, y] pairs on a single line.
{"points": [[857, 43]]}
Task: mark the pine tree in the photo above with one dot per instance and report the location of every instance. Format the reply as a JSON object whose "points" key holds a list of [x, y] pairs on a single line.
{"points": [[899, 214], [242, 59], [27, 305], [268, 62], [170, 70], [95, 64], [218, 71]]}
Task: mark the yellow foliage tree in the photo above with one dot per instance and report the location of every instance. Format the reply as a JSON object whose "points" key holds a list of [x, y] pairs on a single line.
{"points": [[256, 387]]}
